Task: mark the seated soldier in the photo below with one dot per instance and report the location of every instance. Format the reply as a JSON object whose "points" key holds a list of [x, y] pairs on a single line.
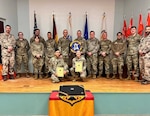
{"points": [[58, 68], [78, 67]]}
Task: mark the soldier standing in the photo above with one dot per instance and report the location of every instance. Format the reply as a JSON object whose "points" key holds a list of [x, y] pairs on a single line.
{"points": [[22, 48], [8, 43], [145, 53], [118, 48], [92, 51], [37, 51], [82, 41], [49, 52], [132, 53], [56, 62], [37, 34], [78, 58], [64, 46], [104, 54]]}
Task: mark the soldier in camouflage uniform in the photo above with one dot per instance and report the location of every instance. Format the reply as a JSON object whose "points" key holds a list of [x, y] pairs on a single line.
{"points": [[145, 53], [78, 58], [132, 53], [22, 48], [118, 48], [104, 54], [92, 52], [37, 34], [49, 52], [82, 41], [8, 43], [64, 46], [37, 51], [55, 62]]}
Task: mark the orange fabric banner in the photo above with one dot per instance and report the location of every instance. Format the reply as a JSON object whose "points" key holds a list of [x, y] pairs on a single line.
{"points": [[59, 107]]}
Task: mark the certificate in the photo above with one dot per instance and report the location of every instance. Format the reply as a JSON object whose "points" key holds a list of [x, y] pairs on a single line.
{"points": [[78, 66], [60, 71]]}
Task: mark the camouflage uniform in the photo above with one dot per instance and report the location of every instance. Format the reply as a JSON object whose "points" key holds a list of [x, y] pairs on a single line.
{"points": [[141, 58], [63, 46], [93, 47], [83, 73], [49, 52], [41, 40], [146, 50], [57, 62], [104, 46], [22, 48], [83, 44], [8, 60], [37, 48], [132, 54], [118, 61]]}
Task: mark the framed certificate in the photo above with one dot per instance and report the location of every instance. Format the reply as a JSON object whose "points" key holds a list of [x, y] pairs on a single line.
{"points": [[60, 71], [78, 66]]}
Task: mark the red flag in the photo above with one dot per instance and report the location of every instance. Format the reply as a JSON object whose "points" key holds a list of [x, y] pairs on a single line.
{"points": [[129, 28], [124, 29], [140, 26], [148, 20]]}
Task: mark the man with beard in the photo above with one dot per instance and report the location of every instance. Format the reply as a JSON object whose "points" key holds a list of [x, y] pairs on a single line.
{"points": [[145, 52]]}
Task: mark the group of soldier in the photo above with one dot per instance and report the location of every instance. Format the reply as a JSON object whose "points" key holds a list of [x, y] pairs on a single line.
{"points": [[95, 55]]}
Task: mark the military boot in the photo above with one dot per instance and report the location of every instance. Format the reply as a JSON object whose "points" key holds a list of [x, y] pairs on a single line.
{"points": [[18, 75], [128, 78], [94, 76], [27, 75], [40, 76], [120, 76], [107, 76], [36, 76], [114, 76]]}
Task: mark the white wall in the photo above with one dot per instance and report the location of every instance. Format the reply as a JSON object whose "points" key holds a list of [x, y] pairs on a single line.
{"points": [[23, 17], [8, 11], [61, 8], [134, 7]]}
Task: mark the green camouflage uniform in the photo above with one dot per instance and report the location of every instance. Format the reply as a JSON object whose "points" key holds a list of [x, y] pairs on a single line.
{"points": [[141, 58], [22, 48], [37, 48], [118, 61], [83, 73], [146, 50], [132, 54], [49, 52], [8, 58], [64, 47], [92, 61], [54, 63], [105, 46]]}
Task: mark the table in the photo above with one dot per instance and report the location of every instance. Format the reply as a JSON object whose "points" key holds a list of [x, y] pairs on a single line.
{"points": [[58, 107]]}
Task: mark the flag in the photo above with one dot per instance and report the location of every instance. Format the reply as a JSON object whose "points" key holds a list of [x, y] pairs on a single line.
{"points": [[148, 20], [129, 28], [103, 24], [70, 28], [140, 26], [55, 36], [35, 22], [124, 29], [86, 29]]}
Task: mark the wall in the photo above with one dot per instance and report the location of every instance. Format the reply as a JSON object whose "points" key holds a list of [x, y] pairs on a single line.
{"points": [[95, 9], [106, 104], [133, 8], [8, 11]]}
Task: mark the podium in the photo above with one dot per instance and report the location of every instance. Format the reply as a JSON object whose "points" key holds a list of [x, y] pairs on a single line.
{"points": [[71, 105]]}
